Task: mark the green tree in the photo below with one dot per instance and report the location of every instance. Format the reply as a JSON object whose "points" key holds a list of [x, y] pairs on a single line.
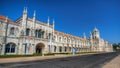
{"points": [[115, 46]]}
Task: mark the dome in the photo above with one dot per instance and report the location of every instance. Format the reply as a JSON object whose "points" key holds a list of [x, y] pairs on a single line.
{"points": [[95, 29]]}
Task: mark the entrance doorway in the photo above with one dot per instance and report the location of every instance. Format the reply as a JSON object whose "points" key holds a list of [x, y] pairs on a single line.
{"points": [[10, 48], [39, 48]]}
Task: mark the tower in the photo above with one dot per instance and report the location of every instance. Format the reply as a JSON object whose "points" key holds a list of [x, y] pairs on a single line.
{"points": [[24, 17], [48, 22], [33, 23], [91, 37], [53, 24], [96, 34], [34, 18], [84, 36]]}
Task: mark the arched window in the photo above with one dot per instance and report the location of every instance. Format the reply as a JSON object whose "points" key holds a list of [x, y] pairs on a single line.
{"points": [[12, 31], [10, 48], [60, 39], [65, 39]]}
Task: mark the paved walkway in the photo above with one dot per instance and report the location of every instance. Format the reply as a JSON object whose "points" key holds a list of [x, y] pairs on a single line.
{"points": [[22, 59], [115, 63]]}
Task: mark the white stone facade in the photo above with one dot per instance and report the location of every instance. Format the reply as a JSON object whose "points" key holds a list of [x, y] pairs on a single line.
{"points": [[30, 36]]}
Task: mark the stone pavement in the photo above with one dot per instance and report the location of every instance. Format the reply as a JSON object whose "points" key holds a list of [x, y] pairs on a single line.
{"points": [[115, 63]]}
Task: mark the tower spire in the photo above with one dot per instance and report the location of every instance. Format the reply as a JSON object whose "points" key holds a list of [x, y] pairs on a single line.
{"points": [[34, 15], [84, 36], [24, 18], [25, 10], [34, 18], [48, 22], [96, 34], [53, 22], [90, 35]]}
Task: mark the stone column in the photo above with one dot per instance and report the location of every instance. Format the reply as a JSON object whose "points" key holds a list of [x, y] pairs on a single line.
{"points": [[57, 49], [67, 48], [63, 48], [52, 48], [34, 48], [8, 32], [20, 48], [17, 49], [71, 48], [3, 49], [37, 33], [44, 35]]}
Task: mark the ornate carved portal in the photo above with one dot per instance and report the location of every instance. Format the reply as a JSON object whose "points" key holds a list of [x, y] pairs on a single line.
{"points": [[40, 48]]}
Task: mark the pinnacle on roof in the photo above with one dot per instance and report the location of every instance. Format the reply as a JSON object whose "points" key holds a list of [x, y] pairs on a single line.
{"points": [[25, 10], [53, 22], [48, 22], [95, 29], [34, 15]]}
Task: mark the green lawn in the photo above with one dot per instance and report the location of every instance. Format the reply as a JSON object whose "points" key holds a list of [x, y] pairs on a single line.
{"points": [[49, 54]]}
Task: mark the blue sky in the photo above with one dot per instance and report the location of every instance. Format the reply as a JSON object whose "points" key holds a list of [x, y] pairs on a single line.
{"points": [[71, 16]]}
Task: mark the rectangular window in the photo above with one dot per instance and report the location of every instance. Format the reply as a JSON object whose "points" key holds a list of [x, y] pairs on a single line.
{"points": [[27, 32]]}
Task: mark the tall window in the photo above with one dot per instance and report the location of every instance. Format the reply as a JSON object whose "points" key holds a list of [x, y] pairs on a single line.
{"points": [[12, 31], [40, 34], [65, 49], [27, 32], [49, 36], [43, 34], [36, 32], [10, 48], [60, 49]]}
